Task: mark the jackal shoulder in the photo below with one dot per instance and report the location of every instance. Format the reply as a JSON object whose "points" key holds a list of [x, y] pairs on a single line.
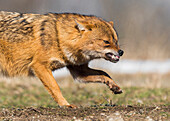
{"points": [[18, 27]]}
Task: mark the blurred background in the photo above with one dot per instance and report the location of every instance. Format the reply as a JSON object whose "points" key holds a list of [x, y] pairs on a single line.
{"points": [[143, 27]]}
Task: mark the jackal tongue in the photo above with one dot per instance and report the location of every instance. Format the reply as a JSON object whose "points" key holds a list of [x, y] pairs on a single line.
{"points": [[115, 56]]}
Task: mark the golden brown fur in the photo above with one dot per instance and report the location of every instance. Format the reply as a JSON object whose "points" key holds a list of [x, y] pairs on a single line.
{"points": [[37, 44]]}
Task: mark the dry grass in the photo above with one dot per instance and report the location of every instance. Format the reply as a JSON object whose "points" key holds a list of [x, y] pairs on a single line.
{"points": [[24, 98], [138, 89]]}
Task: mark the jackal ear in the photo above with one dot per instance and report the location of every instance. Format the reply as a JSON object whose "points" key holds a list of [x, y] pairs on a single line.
{"points": [[83, 25], [80, 25], [111, 22]]}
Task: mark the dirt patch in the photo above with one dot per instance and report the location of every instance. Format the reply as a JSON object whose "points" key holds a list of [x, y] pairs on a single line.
{"points": [[96, 112]]}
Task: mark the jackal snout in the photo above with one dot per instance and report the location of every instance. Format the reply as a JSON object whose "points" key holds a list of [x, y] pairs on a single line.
{"points": [[114, 56]]}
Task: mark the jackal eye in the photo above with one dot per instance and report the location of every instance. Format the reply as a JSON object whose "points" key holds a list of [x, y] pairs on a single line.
{"points": [[116, 43], [107, 42]]}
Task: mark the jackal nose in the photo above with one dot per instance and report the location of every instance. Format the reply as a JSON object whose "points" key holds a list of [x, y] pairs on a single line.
{"points": [[120, 52]]}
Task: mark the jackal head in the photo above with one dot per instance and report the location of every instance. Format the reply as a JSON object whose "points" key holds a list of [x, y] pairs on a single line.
{"points": [[98, 40]]}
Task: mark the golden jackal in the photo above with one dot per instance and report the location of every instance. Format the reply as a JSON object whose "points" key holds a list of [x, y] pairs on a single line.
{"points": [[38, 44]]}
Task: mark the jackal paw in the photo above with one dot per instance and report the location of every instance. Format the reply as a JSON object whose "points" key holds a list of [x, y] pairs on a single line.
{"points": [[69, 106], [116, 89]]}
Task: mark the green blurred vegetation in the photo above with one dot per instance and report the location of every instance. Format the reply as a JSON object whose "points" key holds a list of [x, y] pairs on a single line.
{"points": [[18, 95]]}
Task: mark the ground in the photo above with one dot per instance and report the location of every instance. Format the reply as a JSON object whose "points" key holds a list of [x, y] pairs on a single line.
{"points": [[145, 97], [96, 112]]}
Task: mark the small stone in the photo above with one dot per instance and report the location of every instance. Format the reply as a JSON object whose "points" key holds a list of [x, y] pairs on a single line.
{"points": [[115, 117], [74, 117], [117, 113], [140, 101], [111, 119], [149, 119], [78, 120], [141, 111], [102, 114]]}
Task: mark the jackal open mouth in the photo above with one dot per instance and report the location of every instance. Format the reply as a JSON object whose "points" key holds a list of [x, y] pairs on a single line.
{"points": [[112, 57]]}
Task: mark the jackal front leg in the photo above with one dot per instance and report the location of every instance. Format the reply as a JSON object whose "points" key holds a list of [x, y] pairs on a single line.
{"points": [[45, 75], [85, 74]]}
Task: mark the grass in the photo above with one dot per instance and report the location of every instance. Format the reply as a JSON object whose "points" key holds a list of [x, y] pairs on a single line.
{"points": [[25, 92]]}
